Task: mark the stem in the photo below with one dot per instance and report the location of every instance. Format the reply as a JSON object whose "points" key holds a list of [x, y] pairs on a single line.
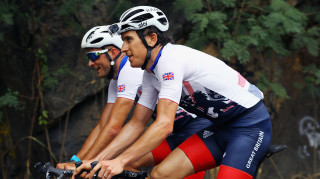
{"points": [[7, 140], [239, 17], [3, 170], [209, 7], [30, 134]]}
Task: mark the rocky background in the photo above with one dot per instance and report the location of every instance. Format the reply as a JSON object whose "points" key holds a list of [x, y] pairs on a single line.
{"points": [[50, 100]]}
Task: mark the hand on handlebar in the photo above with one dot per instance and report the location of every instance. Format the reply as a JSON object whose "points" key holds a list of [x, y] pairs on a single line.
{"points": [[51, 172], [86, 165], [108, 169], [66, 166]]}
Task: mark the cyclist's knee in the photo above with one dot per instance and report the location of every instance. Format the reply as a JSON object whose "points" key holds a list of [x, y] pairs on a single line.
{"points": [[158, 173], [134, 165]]}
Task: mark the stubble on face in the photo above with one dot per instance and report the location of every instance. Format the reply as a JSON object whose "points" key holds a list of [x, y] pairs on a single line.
{"points": [[134, 48], [101, 65]]}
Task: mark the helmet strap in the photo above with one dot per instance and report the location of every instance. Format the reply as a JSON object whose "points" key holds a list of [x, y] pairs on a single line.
{"points": [[149, 48], [112, 64]]}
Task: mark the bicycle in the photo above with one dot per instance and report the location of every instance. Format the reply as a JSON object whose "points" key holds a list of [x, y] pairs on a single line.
{"points": [[61, 173], [52, 172], [273, 149]]}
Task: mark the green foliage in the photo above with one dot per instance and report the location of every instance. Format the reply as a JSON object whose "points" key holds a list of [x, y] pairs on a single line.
{"points": [[50, 80], [313, 74], [10, 99], [43, 118], [73, 6], [189, 7], [285, 18], [226, 3], [41, 55], [263, 27], [119, 7], [309, 39], [208, 25], [317, 17], [265, 85], [232, 48], [7, 12]]}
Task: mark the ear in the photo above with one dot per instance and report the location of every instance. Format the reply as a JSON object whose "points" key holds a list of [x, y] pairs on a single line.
{"points": [[114, 52], [152, 39]]}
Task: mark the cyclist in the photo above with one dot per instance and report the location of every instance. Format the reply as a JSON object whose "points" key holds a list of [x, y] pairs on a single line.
{"points": [[241, 129], [103, 51], [104, 55]]}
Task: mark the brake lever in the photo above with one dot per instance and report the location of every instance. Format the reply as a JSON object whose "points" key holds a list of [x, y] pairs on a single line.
{"points": [[93, 164]]}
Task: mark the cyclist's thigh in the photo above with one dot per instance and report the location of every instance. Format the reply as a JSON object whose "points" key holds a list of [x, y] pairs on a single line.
{"points": [[178, 136], [246, 146], [181, 134], [176, 165], [203, 150]]}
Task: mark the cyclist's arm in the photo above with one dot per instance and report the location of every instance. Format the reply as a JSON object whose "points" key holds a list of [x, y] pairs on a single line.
{"points": [[91, 138], [160, 129], [119, 113], [155, 134], [130, 132]]}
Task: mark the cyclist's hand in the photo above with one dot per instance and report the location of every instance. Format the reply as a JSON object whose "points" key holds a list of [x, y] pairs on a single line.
{"points": [[108, 168], [66, 166], [86, 165]]}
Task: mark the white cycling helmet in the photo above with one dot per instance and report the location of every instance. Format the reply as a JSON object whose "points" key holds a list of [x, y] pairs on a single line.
{"points": [[140, 17], [100, 36]]}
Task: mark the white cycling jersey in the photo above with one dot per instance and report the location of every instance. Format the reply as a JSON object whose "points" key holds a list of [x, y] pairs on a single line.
{"points": [[128, 83], [202, 84]]}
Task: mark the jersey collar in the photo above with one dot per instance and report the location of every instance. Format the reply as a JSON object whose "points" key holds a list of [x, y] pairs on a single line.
{"points": [[156, 61], [123, 62]]}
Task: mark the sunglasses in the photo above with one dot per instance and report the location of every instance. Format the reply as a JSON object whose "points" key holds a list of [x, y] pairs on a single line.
{"points": [[114, 28], [94, 55]]}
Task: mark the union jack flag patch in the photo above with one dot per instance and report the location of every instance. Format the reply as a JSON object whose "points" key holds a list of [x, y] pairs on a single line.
{"points": [[121, 88], [168, 76]]}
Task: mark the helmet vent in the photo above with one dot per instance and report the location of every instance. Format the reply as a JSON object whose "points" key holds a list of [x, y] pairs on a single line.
{"points": [[131, 14], [143, 17], [159, 13], [163, 21], [125, 26], [97, 40]]}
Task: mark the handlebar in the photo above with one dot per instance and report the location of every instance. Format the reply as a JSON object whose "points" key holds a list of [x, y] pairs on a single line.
{"points": [[51, 172]]}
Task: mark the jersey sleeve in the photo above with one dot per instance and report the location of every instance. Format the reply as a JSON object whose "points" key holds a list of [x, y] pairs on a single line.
{"points": [[171, 77], [129, 81], [112, 92], [149, 94]]}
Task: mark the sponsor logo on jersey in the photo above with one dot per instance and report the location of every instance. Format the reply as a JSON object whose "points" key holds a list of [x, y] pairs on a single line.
{"points": [[168, 76], [121, 88], [207, 134]]}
